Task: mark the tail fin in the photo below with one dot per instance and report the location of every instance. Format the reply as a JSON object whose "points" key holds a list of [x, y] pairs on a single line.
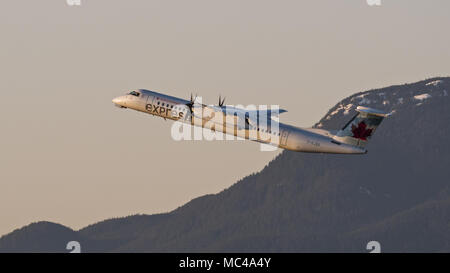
{"points": [[361, 127]]}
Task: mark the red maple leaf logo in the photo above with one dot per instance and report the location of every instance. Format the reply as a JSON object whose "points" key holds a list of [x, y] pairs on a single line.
{"points": [[361, 132]]}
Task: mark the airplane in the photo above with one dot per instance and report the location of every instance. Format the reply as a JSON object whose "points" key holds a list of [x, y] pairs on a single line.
{"points": [[258, 125]]}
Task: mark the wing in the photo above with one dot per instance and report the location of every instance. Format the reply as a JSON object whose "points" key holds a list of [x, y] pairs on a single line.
{"points": [[229, 110], [248, 118]]}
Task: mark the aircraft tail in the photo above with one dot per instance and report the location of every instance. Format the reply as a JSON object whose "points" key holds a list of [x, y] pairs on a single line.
{"points": [[361, 127]]}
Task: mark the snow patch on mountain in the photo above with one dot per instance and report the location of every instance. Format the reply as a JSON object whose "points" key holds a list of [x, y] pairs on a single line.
{"points": [[341, 107], [347, 108], [422, 96], [362, 95], [335, 112], [434, 83]]}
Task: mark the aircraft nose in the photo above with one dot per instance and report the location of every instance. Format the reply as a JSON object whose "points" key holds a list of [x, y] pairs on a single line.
{"points": [[119, 101]]}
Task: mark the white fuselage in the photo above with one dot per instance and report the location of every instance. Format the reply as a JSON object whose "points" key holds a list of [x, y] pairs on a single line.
{"points": [[212, 117]]}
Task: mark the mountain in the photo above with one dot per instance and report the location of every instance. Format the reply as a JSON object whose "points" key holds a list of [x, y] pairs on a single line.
{"points": [[398, 194], [39, 237]]}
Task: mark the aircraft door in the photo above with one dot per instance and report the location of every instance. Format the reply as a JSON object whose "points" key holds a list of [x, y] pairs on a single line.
{"points": [[284, 137], [148, 103]]}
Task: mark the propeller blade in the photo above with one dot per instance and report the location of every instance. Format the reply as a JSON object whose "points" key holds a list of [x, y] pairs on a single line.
{"points": [[192, 102], [221, 101]]}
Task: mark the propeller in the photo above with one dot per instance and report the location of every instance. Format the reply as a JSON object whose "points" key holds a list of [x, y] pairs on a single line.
{"points": [[221, 101], [190, 104]]}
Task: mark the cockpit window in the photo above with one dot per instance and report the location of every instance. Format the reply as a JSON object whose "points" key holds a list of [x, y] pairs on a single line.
{"points": [[134, 93]]}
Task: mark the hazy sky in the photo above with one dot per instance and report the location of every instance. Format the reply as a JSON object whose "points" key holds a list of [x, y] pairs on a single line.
{"points": [[68, 155]]}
